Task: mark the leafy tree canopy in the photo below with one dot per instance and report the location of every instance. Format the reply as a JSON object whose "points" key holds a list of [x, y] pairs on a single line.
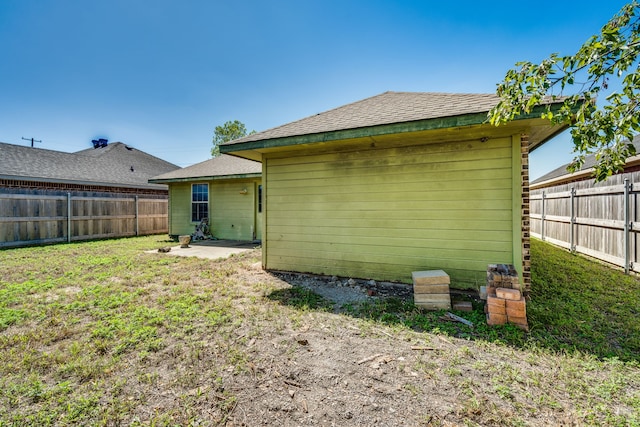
{"points": [[229, 131], [606, 61]]}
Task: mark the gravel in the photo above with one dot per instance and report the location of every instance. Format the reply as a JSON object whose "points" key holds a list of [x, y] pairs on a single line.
{"points": [[347, 291]]}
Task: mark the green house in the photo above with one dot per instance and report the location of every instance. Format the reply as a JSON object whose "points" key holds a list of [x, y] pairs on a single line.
{"points": [[396, 183], [226, 190]]}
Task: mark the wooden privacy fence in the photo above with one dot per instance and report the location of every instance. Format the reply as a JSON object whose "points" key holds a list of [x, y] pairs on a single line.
{"points": [[27, 219], [598, 221]]}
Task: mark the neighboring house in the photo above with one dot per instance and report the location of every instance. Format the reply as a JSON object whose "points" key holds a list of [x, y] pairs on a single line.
{"points": [[561, 175], [114, 168], [50, 196], [599, 219], [396, 183], [225, 190]]}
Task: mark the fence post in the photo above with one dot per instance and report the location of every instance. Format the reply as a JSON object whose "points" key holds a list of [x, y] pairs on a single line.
{"points": [[572, 224], [626, 226], [136, 215], [68, 217], [542, 215]]}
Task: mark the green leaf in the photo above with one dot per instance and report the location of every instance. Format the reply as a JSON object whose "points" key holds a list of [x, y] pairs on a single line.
{"points": [[595, 127]]}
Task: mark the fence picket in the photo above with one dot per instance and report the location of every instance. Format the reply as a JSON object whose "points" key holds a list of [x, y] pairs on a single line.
{"points": [[30, 219], [598, 220]]}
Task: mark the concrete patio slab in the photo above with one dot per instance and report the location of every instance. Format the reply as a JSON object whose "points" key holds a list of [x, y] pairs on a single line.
{"points": [[211, 249]]}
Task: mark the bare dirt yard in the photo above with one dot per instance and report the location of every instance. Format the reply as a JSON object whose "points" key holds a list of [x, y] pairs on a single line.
{"points": [[147, 339], [315, 367]]}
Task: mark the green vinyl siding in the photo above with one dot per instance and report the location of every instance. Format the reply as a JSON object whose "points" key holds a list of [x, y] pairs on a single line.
{"points": [[180, 208], [383, 213], [232, 214], [233, 211]]}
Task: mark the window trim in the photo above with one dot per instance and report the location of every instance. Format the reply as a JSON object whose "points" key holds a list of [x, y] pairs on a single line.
{"points": [[197, 213]]}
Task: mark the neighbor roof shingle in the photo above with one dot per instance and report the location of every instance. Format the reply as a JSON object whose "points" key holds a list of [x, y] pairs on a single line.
{"points": [[589, 162], [111, 165]]}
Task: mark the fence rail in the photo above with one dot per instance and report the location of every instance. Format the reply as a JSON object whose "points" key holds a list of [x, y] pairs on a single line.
{"points": [[599, 221], [32, 219]]}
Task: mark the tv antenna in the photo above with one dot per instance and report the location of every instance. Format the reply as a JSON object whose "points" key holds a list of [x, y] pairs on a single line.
{"points": [[32, 140]]}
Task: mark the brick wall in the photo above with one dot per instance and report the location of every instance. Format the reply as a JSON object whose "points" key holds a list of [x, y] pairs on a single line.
{"points": [[526, 239], [59, 186]]}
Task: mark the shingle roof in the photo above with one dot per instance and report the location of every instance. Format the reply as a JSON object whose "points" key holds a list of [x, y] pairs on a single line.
{"points": [[221, 166], [111, 165], [589, 162], [386, 108]]}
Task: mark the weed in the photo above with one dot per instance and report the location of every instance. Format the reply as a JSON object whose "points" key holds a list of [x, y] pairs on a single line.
{"points": [[300, 298], [414, 390], [99, 333]]}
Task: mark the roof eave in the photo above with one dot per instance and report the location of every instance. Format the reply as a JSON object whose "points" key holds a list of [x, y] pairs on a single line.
{"points": [[205, 178], [472, 119], [392, 128], [556, 130]]}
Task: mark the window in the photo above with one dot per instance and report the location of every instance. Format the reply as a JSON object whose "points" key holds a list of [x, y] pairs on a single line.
{"points": [[199, 202], [259, 198]]}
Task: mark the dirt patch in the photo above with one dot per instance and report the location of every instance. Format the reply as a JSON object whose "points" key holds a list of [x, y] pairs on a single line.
{"points": [[323, 368], [146, 339]]}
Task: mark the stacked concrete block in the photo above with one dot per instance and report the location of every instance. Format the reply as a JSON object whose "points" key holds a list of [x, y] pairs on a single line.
{"points": [[502, 276], [505, 303], [496, 309], [517, 312], [462, 306], [431, 289]]}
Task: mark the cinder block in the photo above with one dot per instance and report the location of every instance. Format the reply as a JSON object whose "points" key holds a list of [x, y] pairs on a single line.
{"points": [[483, 293], [433, 301], [496, 319], [431, 288], [502, 276], [496, 305], [496, 309], [495, 301], [515, 312], [463, 306], [507, 282], [517, 308], [519, 321], [494, 279], [504, 269], [510, 294], [519, 305], [430, 277]]}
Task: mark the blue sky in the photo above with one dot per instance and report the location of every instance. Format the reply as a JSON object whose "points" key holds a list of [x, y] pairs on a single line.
{"points": [[160, 75]]}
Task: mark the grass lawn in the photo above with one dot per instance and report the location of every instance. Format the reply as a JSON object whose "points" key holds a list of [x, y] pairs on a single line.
{"points": [[576, 305], [102, 333]]}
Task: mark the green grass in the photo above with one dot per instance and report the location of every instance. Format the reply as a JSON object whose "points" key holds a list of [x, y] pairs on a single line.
{"points": [[395, 311], [94, 333], [81, 312], [300, 298], [577, 305]]}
